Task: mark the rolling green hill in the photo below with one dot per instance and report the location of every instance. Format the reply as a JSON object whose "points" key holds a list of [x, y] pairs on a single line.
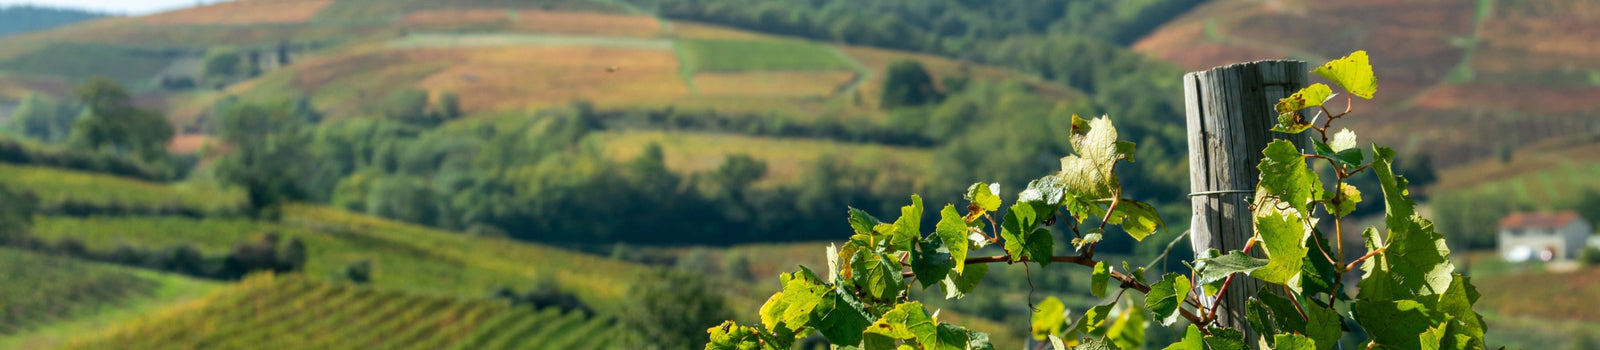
{"points": [[47, 299]]}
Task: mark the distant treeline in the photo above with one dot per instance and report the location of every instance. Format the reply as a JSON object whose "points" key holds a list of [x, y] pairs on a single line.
{"points": [[938, 26], [28, 18]]}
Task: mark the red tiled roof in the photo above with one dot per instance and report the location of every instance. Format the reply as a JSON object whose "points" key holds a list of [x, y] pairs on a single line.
{"points": [[1538, 220]]}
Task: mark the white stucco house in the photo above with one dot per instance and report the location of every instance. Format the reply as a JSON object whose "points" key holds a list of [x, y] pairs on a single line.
{"points": [[1548, 236]]}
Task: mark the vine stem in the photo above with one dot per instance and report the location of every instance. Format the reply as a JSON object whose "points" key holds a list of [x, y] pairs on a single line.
{"points": [[1212, 314], [1363, 258]]}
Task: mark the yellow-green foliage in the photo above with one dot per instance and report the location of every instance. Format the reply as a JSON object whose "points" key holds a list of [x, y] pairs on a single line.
{"points": [[55, 186], [294, 312]]}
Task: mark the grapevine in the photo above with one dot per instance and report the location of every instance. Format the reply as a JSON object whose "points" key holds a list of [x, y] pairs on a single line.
{"points": [[1408, 296]]}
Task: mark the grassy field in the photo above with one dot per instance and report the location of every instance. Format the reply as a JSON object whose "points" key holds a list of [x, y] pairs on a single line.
{"points": [[723, 55], [782, 84], [56, 186], [46, 299], [293, 312], [697, 152]]}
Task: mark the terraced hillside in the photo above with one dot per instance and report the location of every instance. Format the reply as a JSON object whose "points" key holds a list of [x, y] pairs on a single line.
{"points": [[46, 298], [293, 312]]}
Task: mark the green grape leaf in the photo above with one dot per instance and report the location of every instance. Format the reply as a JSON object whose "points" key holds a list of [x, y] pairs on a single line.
{"points": [[1095, 344], [1128, 331], [978, 341], [877, 274], [908, 228], [1349, 196], [1414, 262], [1349, 158], [1166, 297], [1213, 269], [1094, 236], [1283, 235], [957, 285], [1081, 207], [951, 337], [791, 308], [1342, 141], [1056, 343], [932, 261], [1022, 240], [952, 230], [1046, 191], [985, 196], [907, 322], [1087, 173], [1259, 317], [1319, 323], [1285, 176], [862, 222], [1139, 219], [1093, 320], [1192, 340], [1102, 274], [1293, 342], [1049, 316], [1289, 107], [1226, 339], [841, 318], [1467, 327], [1395, 324], [1317, 273], [732, 336], [1353, 73]]}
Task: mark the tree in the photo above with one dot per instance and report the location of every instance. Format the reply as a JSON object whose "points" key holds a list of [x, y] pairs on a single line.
{"points": [[407, 105], [36, 117], [672, 309], [115, 125], [448, 107], [267, 156], [907, 83], [737, 172], [221, 64]]}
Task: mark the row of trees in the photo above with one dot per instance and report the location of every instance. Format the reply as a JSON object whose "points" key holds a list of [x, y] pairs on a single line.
{"points": [[939, 26], [99, 119]]}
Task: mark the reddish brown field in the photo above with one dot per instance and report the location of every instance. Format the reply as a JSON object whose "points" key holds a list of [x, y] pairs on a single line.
{"points": [[190, 143], [243, 12], [686, 29], [792, 84], [454, 18], [585, 23], [512, 78]]}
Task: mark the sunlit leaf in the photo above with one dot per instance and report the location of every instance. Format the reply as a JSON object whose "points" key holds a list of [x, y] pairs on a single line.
{"points": [[1166, 297], [1353, 73], [1049, 316]]}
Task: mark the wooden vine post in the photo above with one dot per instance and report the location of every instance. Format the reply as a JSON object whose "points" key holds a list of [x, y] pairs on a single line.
{"points": [[1230, 116]]}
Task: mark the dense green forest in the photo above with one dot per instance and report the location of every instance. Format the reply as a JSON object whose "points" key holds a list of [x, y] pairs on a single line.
{"points": [[28, 18]]}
